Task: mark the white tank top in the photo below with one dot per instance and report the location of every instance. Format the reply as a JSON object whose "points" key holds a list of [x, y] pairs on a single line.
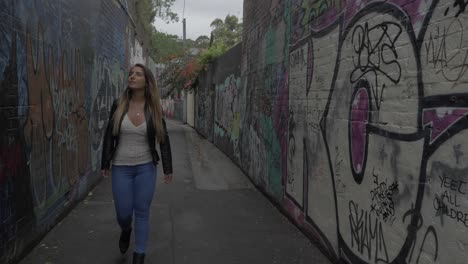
{"points": [[133, 148]]}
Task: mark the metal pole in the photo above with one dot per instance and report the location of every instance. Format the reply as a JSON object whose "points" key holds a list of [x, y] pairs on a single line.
{"points": [[184, 31]]}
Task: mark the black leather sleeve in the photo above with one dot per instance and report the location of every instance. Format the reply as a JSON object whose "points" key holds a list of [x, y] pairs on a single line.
{"points": [[108, 141], [166, 154]]}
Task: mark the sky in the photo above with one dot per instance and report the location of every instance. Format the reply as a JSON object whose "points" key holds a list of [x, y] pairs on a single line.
{"points": [[199, 15]]}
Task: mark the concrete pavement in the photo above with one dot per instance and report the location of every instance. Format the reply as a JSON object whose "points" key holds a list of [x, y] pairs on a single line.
{"points": [[210, 214]]}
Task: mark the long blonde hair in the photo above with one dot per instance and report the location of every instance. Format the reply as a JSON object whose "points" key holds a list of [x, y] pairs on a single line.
{"points": [[153, 102]]}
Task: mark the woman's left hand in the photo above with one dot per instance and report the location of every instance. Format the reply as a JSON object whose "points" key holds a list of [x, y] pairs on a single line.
{"points": [[167, 178]]}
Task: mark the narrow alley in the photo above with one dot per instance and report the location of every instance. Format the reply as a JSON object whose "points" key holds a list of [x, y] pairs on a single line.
{"points": [[302, 132], [210, 214]]}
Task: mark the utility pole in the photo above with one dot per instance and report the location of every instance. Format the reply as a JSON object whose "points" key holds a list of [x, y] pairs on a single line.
{"points": [[184, 31]]}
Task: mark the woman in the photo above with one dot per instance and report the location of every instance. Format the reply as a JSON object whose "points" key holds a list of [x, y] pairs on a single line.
{"points": [[135, 124]]}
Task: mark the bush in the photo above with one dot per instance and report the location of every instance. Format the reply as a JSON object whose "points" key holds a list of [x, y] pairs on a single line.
{"points": [[211, 54]]}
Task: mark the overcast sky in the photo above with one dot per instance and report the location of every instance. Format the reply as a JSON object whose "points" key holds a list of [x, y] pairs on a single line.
{"points": [[199, 14]]}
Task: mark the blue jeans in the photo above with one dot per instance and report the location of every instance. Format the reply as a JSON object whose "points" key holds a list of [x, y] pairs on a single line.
{"points": [[133, 189]]}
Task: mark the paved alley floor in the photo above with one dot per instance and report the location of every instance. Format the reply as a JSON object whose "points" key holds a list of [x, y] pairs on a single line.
{"points": [[210, 214]]}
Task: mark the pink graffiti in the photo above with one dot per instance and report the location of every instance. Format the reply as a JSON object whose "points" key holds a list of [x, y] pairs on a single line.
{"points": [[326, 12], [411, 8], [359, 119], [442, 120]]}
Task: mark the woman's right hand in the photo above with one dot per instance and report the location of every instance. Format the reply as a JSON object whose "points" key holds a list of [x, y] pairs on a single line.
{"points": [[105, 173]]}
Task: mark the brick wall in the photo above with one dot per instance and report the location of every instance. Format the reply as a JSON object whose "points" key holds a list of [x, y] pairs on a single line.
{"points": [[353, 118], [62, 62]]}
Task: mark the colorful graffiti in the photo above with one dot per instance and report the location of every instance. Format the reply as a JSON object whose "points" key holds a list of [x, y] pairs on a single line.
{"points": [[227, 115], [107, 79], [16, 202], [204, 105], [352, 115], [58, 87]]}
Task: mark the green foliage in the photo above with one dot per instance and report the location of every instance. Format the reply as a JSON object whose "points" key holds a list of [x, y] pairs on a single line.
{"points": [[163, 10], [206, 57], [146, 13], [147, 10], [181, 70], [203, 42], [180, 74], [165, 46], [228, 31]]}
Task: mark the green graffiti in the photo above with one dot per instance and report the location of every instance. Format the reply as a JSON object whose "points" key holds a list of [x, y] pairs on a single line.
{"points": [[272, 146], [315, 9], [232, 130], [270, 46], [219, 130], [273, 156], [235, 126]]}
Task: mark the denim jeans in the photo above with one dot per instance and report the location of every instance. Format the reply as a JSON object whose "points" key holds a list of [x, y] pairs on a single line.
{"points": [[133, 189]]}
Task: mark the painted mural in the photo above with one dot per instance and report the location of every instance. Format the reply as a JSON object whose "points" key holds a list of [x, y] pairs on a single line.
{"points": [[61, 66], [227, 115], [204, 104], [353, 116]]}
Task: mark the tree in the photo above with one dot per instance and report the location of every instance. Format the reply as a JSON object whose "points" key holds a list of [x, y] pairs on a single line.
{"points": [[180, 74], [163, 10], [147, 10], [165, 46], [207, 56], [181, 71], [228, 31], [217, 23], [202, 42]]}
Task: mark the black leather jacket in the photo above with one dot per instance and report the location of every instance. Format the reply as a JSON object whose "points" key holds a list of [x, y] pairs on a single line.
{"points": [[111, 142]]}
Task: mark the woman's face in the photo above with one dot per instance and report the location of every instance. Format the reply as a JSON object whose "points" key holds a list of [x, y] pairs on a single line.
{"points": [[136, 78]]}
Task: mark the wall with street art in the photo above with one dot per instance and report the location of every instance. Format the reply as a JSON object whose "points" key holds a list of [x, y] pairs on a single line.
{"points": [[217, 115], [227, 82], [352, 115], [204, 103], [61, 65]]}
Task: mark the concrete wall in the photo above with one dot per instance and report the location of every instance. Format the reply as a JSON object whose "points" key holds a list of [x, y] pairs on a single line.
{"points": [[62, 62], [226, 108], [353, 117], [217, 101], [204, 103], [191, 109]]}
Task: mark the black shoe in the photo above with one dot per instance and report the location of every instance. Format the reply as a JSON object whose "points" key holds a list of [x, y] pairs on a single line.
{"points": [[124, 241], [138, 258]]}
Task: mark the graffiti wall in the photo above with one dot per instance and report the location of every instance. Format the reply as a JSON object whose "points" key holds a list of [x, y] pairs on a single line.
{"points": [[204, 103], [226, 108], [217, 115], [61, 65], [353, 116]]}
